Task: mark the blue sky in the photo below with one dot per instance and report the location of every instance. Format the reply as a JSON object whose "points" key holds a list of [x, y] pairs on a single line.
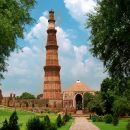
{"points": [[25, 71]]}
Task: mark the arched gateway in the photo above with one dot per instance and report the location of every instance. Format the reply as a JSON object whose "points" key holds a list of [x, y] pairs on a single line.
{"points": [[73, 96], [78, 100]]}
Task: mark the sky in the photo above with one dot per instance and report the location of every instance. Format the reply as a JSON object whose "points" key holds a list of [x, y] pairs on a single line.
{"points": [[25, 71]]}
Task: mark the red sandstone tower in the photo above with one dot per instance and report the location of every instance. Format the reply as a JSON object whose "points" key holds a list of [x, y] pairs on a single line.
{"points": [[52, 83]]}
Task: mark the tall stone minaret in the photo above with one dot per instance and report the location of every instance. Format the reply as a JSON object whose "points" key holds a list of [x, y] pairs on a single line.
{"points": [[52, 83]]}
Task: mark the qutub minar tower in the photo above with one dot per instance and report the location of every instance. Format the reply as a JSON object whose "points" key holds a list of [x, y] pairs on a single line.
{"points": [[52, 83]]}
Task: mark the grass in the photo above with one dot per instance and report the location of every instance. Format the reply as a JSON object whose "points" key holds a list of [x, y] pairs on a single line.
{"points": [[67, 125], [51, 115], [24, 116], [121, 126]]}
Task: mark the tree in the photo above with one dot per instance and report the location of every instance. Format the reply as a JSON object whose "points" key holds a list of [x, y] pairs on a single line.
{"points": [[26, 95], [35, 124], [47, 121], [109, 87], [13, 121], [12, 124], [87, 98], [97, 104], [115, 119], [40, 96], [108, 99], [59, 121], [5, 125], [110, 35], [113, 91], [66, 117], [14, 15], [119, 86], [124, 87], [120, 106], [109, 84]]}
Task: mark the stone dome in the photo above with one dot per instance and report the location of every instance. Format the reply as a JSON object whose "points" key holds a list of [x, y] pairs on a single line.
{"points": [[78, 86]]}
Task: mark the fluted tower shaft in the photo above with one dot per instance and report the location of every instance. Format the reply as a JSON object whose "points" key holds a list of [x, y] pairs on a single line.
{"points": [[52, 83]]}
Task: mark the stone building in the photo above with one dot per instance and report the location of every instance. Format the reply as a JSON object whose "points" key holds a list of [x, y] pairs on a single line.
{"points": [[73, 96]]}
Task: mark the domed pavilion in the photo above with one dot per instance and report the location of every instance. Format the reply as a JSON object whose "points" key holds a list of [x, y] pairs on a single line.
{"points": [[73, 96]]}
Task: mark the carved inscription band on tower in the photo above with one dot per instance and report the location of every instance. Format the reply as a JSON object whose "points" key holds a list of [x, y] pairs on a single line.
{"points": [[52, 83]]}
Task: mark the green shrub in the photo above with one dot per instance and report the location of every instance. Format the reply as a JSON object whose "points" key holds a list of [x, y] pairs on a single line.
{"points": [[52, 127], [5, 125], [47, 121], [100, 119], [66, 117], [63, 121], [94, 118], [70, 116], [108, 118], [128, 126], [12, 124], [115, 119], [13, 121], [35, 124], [59, 121]]}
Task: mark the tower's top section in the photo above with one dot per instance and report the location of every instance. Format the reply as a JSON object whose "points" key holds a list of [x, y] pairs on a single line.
{"points": [[51, 20]]}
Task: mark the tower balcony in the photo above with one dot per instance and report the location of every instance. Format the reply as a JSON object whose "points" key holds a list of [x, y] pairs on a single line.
{"points": [[50, 67], [51, 46], [51, 30]]}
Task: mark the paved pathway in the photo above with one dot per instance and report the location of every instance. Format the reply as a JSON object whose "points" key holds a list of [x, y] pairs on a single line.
{"points": [[81, 123]]}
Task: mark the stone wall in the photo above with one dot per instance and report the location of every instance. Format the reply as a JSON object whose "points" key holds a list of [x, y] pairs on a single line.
{"points": [[35, 105]]}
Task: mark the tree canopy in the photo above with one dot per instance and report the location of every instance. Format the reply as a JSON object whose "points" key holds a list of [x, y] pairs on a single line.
{"points": [[96, 104], [115, 93], [121, 105], [108, 84], [87, 98], [14, 15], [26, 95], [110, 35]]}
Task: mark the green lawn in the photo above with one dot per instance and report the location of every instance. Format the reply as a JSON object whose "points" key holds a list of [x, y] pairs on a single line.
{"points": [[24, 116], [67, 126], [121, 126]]}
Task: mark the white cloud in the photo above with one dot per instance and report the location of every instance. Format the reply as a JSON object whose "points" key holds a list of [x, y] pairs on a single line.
{"points": [[79, 8], [38, 32], [80, 52], [21, 63], [25, 72]]}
